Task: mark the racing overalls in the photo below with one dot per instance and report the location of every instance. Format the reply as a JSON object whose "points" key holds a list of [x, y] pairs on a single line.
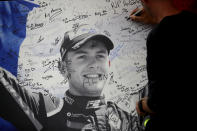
{"points": [[80, 113]]}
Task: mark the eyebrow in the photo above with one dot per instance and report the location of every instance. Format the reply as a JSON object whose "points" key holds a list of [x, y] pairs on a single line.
{"points": [[80, 52], [102, 51]]}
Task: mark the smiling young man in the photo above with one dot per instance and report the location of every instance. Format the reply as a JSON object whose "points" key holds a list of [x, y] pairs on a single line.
{"points": [[87, 68], [85, 63]]}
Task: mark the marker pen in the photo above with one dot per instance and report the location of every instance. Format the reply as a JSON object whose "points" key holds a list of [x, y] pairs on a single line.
{"points": [[137, 13]]}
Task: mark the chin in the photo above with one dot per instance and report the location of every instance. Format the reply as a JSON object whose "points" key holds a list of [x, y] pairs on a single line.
{"points": [[93, 89], [93, 93]]}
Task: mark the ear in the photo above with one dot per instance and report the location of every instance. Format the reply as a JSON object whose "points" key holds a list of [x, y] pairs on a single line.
{"points": [[145, 1], [62, 68]]}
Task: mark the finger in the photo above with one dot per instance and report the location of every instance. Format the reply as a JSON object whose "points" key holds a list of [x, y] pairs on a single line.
{"points": [[133, 11], [138, 110], [136, 18]]}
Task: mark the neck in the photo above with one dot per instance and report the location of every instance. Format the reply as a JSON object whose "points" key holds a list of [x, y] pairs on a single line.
{"points": [[84, 101], [163, 8], [84, 93]]}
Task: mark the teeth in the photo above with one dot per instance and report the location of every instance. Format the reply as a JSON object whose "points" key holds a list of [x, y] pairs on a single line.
{"points": [[92, 76]]}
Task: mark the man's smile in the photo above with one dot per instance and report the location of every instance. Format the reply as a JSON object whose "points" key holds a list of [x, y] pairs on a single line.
{"points": [[92, 76]]}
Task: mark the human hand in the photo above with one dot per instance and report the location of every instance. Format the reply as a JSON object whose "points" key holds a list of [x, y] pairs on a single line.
{"points": [[138, 110], [143, 16], [144, 109]]}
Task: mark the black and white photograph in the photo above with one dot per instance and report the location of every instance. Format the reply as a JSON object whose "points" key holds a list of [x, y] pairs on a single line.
{"points": [[72, 65]]}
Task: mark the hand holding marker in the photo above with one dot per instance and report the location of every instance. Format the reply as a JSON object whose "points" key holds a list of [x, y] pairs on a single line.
{"points": [[135, 12], [141, 15]]}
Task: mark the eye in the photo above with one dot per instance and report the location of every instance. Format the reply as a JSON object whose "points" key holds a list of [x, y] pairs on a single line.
{"points": [[81, 57], [100, 56]]}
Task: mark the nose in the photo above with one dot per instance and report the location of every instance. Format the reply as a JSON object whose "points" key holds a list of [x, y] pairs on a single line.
{"points": [[92, 63]]}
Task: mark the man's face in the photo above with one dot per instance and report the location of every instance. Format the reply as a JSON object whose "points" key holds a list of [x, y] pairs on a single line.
{"points": [[88, 68]]}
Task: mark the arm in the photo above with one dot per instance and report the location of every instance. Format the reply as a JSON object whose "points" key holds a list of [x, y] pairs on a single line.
{"points": [[17, 104]]}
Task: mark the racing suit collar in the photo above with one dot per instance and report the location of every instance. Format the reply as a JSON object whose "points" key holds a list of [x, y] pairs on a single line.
{"points": [[84, 101]]}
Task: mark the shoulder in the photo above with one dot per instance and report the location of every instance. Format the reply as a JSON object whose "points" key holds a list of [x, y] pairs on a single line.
{"points": [[53, 105], [113, 108], [118, 117]]}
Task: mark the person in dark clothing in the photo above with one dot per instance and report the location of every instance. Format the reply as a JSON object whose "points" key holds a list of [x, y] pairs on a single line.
{"points": [[171, 52]]}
